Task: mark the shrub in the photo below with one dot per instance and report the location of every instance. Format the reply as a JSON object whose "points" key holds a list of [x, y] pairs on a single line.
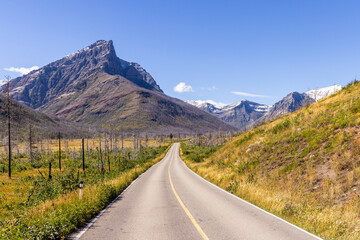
{"points": [[281, 126]]}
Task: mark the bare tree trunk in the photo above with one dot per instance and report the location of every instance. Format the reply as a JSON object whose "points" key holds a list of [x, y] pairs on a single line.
{"points": [[111, 140], [108, 157], [145, 140], [59, 151], [48, 144], [9, 122], [122, 141], [41, 144], [101, 160], [83, 153], [50, 170], [98, 158], [30, 143], [115, 143]]}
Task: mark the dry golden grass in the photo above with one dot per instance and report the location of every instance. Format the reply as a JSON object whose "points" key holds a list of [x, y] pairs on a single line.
{"points": [[52, 145], [303, 167]]}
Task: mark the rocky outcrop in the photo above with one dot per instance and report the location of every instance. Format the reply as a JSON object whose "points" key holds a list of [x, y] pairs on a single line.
{"points": [[242, 114], [292, 102], [67, 75]]}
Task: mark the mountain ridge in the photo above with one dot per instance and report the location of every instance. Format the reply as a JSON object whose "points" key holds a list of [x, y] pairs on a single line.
{"points": [[99, 56], [238, 114], [261, 113], [22, 117], [95, 87]]}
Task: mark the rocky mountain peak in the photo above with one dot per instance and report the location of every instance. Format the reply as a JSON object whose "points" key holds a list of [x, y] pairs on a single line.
{"points": [[70, 74], [320, 93], [239, 114], [290, 103], [100, 48]]}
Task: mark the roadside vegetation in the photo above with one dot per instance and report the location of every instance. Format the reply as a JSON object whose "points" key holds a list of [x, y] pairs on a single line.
{"points": [[40, 201], [196, 153], [303, 167]]}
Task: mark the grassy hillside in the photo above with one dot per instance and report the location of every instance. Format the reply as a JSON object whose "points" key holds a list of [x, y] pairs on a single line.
{"points": [[113, 101], [304, 166], [22, 117]]}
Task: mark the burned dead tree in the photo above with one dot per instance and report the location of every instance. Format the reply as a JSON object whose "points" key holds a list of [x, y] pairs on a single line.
{"points": [[9, 120]]}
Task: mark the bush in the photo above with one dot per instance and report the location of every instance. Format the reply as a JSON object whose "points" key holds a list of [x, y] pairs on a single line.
{"points": [[281, 126], [197, 153]]}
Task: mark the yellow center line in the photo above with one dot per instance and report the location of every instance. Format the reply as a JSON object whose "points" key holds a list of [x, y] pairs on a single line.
{"points": [[197, 226]]}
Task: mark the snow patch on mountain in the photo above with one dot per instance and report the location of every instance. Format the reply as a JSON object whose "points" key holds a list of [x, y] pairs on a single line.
{"points": [[320, 93], [201, 103], [261, 108], [232, 105], [216, 107]]}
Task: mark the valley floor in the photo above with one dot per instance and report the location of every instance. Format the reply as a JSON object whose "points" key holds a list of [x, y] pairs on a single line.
{"points": [[171, 202]]}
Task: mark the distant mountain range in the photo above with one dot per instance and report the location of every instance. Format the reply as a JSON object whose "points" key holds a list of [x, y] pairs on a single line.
{"points": [[245, 113], [94, 87], [239, 114]]}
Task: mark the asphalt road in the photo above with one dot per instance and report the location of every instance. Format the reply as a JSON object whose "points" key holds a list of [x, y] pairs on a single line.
{"points": [[169, 201]]}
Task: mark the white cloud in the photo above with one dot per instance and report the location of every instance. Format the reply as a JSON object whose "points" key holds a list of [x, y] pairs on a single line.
{"points": [[182, 87], [250, 94], [21, 70], [213, 88]]}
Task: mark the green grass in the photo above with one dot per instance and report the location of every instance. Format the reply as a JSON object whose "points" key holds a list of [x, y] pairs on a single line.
{"points": [[197, 153], [33, 206]]}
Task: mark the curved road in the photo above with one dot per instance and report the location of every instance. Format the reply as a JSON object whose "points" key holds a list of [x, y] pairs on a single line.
{"points": [[169, 201]]}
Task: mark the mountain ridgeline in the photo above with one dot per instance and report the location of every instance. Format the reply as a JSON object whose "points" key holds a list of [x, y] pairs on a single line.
{"points": [[64, 76], [245, 113], [23, 117], [292, 102], [95, 87], [239, 114]]}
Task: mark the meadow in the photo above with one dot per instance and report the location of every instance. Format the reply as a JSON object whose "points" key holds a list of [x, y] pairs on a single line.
{"points": [[40, 201]]}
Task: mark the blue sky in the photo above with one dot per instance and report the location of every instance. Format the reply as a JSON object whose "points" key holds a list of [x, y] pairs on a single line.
{"points": [[214, 48]]}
